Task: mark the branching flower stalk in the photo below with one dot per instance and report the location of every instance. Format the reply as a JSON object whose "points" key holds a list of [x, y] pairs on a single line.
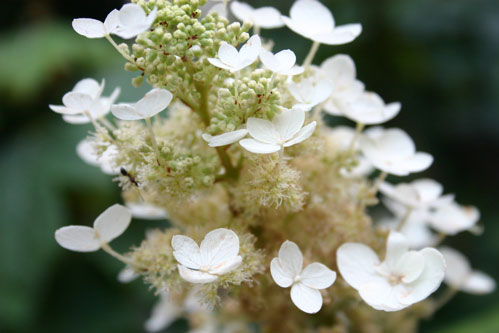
{"points": [[260, 194]]}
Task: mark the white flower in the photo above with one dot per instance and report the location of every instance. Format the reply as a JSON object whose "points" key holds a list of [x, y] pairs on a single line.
{"points": [[341, 72], [147, 211], [368, 109], [216, 256], [282, 62], [233, 60], [85, 99], [309, 93], [419, 194], [460, 276], [314, 21], [86, 151], [153, 102], [393, 151], [264, 17], [285, 130], [341, 138], [451, 218], [287, 271], [402, 279], [108, 226], [225, 138], [128, 22]]}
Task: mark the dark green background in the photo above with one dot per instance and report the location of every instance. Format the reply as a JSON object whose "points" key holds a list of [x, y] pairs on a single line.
{"points": [[440, 58]]}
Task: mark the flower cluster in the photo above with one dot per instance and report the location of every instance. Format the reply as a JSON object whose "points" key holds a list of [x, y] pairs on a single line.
{"points": [[242, 164]]}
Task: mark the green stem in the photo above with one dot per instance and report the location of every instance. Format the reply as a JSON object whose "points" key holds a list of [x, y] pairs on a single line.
{"points": [[311, 54], [107, 248], [113, 43], [153, 138]]}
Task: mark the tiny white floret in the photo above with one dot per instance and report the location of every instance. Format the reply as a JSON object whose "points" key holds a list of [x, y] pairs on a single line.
{"points": [[393, 151], [451, 218], [264, 17], [459, 274], [231, 59], [309, 93], [108, 226], [314, 21], [153, 102], [287, 271], [404, 277], [217, 255], [285, 130]]}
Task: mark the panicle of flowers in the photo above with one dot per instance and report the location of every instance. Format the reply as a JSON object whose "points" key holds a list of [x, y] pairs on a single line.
{"points": [[229, 145]]}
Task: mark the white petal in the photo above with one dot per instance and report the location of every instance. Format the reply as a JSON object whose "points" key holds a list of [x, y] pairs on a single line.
{"points": [[86, 152], [479, 283], [250, 51], [89, 28], [126, 112], [112, 222], [458, 268], [396, 246], [296, 70], [89, 87], [410, 266], [218, 247], [318, 276], [429, 280], [146, 211], [77, 102], [428, 189], [356, 263], [340, 35], [76, 119], [112, 21], [263, 130], [267, 18], [228, 55], [306, 299], [153, 102], [257, 147], [242, 11], [60, 109], [418, 162], [452, 218], [226, 266], [186, 251], [163, 314], [226, 138], [311, 17], [127, 275], [287, 123], [286, 58], [77, 238], [290, 258], [195, 276], [270, 61], [302, 135], [380, 295], [281, 275], [218, 63], [340, 68], [132, 14]]}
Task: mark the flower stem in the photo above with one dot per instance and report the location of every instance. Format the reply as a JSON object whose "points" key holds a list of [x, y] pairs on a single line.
{"points": [[256, 30], [404, 219], [153, 138], [444, 298], [358, 131], [113, 43], [311, 54], [377, 183]]}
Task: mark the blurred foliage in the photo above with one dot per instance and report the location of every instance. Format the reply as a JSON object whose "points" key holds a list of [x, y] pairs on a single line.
{"points": [[439, 57]]}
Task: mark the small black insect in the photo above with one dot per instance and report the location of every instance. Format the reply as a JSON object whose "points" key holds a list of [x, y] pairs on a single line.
{"points": [[130, 177]]}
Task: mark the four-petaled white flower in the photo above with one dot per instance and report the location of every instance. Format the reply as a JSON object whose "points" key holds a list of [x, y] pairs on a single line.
{"points": [[217, 255], [368, 109], [146, 211], [85, 100], [128, 22], [86, 151], [264, 17], [314, 21], [282, 62], [285, 130], [393, 151], [451, 218], [341, 72], [309, 93], [232, 60], [108, 226], [287, 271], [225, 138], [460, 276], [405, 277], [153, 102]]}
